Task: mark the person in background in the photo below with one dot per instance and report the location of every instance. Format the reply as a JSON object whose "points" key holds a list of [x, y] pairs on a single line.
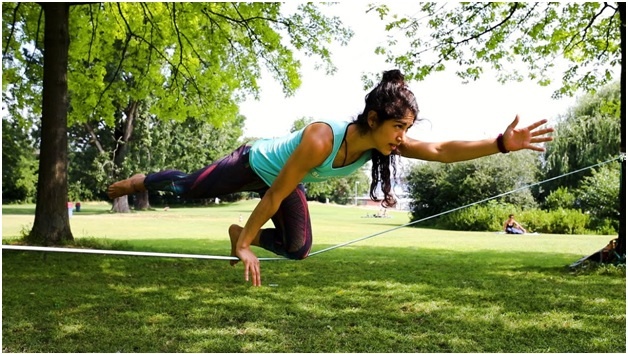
{"points": [[511, 226]]}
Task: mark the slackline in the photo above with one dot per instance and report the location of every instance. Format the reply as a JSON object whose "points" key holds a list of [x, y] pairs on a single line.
{"points": [[125, 253]]}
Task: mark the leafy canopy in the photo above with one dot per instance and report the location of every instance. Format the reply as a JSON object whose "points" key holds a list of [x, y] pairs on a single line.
{"points": [[505, 36], [197, 59]]}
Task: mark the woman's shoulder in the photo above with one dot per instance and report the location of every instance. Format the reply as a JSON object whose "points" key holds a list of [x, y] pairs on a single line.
{"points": [[319, 136]]}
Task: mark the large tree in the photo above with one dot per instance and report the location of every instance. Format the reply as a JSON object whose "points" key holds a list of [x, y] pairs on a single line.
{"points": [[588, 37], [196, 59]]}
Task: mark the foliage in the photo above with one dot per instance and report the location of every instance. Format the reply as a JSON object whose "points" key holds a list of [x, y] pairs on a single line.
{"points": [[560, 198], [196, 58], [477, 35], [559, 221], [587, 135], [482, 217], [19, 163], [339, 190], [436, 188], [490, 216], [301, 123], [599, 193]]}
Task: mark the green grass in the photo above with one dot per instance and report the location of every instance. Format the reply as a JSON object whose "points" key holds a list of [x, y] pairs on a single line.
{"points": [[410, 290]]}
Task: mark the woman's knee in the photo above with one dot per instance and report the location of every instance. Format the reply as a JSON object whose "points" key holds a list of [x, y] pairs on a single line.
{"points": [[299, 255], [302, 252]]}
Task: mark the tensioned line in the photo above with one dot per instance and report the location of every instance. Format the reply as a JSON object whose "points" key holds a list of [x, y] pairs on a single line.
{"points": [[125, 253], [462, 207], [201, 256]]}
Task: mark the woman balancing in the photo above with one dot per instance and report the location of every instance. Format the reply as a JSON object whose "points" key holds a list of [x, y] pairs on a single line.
{"points": [[275, 168]]}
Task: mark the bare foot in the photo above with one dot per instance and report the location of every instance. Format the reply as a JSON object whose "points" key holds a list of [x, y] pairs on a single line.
{"points": [[234, 235], [128, 186]]}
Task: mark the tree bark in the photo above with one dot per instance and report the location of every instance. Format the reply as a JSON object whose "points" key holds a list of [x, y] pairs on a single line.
{"points": [[140, 201], [121, 205], [52, 224], [621, 239], [123, 136]]}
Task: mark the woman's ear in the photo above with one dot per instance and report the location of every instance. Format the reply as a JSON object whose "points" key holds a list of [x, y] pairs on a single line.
{"points": [[372, 119]]}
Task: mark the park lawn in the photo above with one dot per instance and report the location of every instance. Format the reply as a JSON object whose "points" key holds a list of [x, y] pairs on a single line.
{"points": [[409, 290]]}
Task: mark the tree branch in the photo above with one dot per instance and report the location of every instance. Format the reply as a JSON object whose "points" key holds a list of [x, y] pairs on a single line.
{"points": [[513, 9], [15, 10], [41, 12], [91, 42], [91, 132], [608, 32], [176, 28], [122, 55], [254, 35], [586, 29]]}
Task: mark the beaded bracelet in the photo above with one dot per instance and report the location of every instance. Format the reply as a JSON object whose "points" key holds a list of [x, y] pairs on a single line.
{"points": [[500, 144]]}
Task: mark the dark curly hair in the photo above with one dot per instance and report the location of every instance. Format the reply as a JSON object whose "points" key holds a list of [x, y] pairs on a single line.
{"points": [[390, 99]]}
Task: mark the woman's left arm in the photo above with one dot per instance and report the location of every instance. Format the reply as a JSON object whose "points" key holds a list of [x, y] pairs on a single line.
{"points": [[453, 151]]}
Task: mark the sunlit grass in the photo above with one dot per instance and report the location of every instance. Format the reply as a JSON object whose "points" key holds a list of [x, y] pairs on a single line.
{"points": [[410, 290]]}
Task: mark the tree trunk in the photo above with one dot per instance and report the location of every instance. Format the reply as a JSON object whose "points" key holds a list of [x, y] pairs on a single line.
{"points": [[123, 136], [140, 201], [121, 205], [621, 239], [52, 224]]}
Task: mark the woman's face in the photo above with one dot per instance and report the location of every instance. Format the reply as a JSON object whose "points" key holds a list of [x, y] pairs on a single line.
{"points": [[391, 133]]}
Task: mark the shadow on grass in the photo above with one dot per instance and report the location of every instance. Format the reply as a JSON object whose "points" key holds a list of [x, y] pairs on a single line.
{"points": [[358, 299], [28, 210], [18, 210]]}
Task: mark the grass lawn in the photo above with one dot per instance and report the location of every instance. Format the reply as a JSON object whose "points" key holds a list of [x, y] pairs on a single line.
{"points": [[410, 290]]}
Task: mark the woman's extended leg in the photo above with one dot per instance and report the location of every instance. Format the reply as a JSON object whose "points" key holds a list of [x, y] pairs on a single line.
{"points": [[132, 185], [228, 175]]}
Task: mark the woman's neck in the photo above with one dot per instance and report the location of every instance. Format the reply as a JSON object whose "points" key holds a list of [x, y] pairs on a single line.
{"points": [[358, 143], [354, 146]]}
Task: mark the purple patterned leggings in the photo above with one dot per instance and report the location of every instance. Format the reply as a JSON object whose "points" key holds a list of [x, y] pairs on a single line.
{"points": [[292, 235]]}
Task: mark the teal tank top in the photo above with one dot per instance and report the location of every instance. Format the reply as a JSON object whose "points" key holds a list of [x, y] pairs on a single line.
{"points": [[268, 156]]}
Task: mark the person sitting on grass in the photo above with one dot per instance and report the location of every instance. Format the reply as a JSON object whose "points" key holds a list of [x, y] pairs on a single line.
{"points": [[511, 226], [276, 168]]}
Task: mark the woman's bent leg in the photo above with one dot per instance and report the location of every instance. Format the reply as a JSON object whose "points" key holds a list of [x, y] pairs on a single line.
{"points": [[292, 237]]}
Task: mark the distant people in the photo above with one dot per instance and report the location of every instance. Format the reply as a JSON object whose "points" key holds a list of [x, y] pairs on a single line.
{"points": [[511, 226]]}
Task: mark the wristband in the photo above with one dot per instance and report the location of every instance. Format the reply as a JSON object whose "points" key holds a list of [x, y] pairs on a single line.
{"points": [[500, 144]]}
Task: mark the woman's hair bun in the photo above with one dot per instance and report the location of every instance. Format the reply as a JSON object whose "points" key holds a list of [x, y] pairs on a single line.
{"points": [[392, 76]]}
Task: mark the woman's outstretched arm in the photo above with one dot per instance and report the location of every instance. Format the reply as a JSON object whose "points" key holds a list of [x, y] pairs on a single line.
{"points": [[453, 151]]}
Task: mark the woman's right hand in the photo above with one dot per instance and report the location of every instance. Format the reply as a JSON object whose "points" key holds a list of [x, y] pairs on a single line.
{"points": [[251, 265]]}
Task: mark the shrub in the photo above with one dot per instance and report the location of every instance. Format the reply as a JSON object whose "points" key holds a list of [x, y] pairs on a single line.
{"points": [[560, 198], [491, 216]]}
